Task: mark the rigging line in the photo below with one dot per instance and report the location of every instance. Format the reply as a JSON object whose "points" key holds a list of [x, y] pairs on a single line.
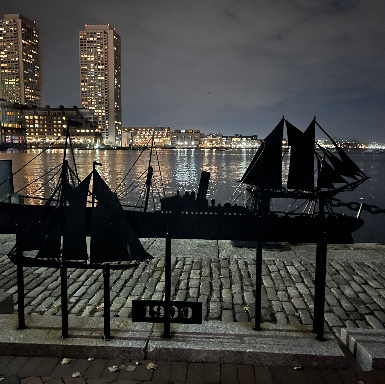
{"points": [[140, 154], [73, 173], [30, 161], [151, 244], [160, 173], [44, 184], [140, 197], [236, 190], [155, 187], [235, 198], [128, 192], [153, 198], [125, 192], [59, 165], [138, 178]]}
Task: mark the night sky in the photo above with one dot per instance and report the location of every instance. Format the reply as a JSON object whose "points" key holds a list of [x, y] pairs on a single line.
{"points": [[228, 66]]}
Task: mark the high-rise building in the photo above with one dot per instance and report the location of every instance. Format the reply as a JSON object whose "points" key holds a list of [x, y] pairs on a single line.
{"points": [[100, 78], [20, 61]]}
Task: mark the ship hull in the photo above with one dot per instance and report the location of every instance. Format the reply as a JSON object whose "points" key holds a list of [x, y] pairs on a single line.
{"points": [[211, 226]]}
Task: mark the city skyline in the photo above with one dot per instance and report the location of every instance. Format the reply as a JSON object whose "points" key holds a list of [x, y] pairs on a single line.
{"points": [[228, 66]]}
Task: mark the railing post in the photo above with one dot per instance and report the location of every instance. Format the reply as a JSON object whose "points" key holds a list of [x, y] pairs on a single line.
{"points": [[20, 284], [64, 301], [20, 296], [167, 287], [258, 283], [107, 326]]}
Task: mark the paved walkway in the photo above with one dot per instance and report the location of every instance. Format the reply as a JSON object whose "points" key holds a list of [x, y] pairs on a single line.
{"points": [[38, 370], [222, 277]]}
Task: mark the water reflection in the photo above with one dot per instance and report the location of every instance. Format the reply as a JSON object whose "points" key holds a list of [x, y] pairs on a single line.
{"points": [[180, 170]]}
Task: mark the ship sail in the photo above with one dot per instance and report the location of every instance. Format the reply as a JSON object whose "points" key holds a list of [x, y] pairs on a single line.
{"points": [[265, 170], [75, 221], [59, 232], [301, 168], [113, 238]]}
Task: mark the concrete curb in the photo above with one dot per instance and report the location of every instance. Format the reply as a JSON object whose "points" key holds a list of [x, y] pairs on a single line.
{"points": [[236, 343]]}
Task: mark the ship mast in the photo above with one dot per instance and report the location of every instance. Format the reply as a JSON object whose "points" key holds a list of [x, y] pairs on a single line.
{"points": [[149, 174]]}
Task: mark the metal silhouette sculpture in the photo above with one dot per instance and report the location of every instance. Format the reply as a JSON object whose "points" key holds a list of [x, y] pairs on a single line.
{"points": [[114, 232], [59, 235]]}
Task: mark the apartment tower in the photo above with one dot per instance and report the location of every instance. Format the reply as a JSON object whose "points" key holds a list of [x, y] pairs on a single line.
{"points": [[100, 79], [20, 61]]}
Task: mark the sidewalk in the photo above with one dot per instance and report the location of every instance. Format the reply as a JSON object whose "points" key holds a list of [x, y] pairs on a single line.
{"points": [[222, 277], [37, 370]]}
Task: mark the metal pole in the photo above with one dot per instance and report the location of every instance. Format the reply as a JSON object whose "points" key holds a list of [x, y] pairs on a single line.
{"points": [[258, 284], [320, 279], [20, 283], [64, 304], [20, 296], [321, 291], [107, 326], [167, 293], [316, 288]]}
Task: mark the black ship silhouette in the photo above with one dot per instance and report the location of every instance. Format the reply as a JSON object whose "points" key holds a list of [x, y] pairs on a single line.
{"points": [[193, 217], [59, 229]]}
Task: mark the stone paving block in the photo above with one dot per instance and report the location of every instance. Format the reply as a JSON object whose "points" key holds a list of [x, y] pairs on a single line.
{"points": [[4, 361], [289, 309], [195, 373], [47, 368], [31, 365], [14, 366], [374, 322], [305, 316], [298, 303], [338, 311], [246, 374], [6, 302], [31, 380], [333, 320], [95, 369], [229, 374], [281, 318]]}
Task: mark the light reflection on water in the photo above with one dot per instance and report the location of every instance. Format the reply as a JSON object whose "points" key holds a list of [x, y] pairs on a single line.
{"points": [[181, 169]]}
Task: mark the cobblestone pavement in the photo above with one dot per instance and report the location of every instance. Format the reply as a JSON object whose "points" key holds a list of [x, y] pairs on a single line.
{"points": [[39, 370], [222, 277]]}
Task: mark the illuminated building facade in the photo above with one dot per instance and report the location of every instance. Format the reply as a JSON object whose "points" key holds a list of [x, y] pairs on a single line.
{"points": [[100, 78], [20, 61], [213, 140], [12, 134], [186, 138], [45, 125], [240, 141], [142, 136]]}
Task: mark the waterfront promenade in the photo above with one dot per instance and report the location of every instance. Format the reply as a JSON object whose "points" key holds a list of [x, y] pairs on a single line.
{"points": [[222, 277]]}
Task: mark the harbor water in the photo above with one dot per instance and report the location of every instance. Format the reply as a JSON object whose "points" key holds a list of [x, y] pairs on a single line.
{"points": [[180, 170]]}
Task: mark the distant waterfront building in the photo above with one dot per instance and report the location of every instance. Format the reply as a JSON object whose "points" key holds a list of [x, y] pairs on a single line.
{"points": [[213, 140], [186, 138], [142, 136], [240, 141], [45, 125], [20, 61], [12, 134], [100, 78]]}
